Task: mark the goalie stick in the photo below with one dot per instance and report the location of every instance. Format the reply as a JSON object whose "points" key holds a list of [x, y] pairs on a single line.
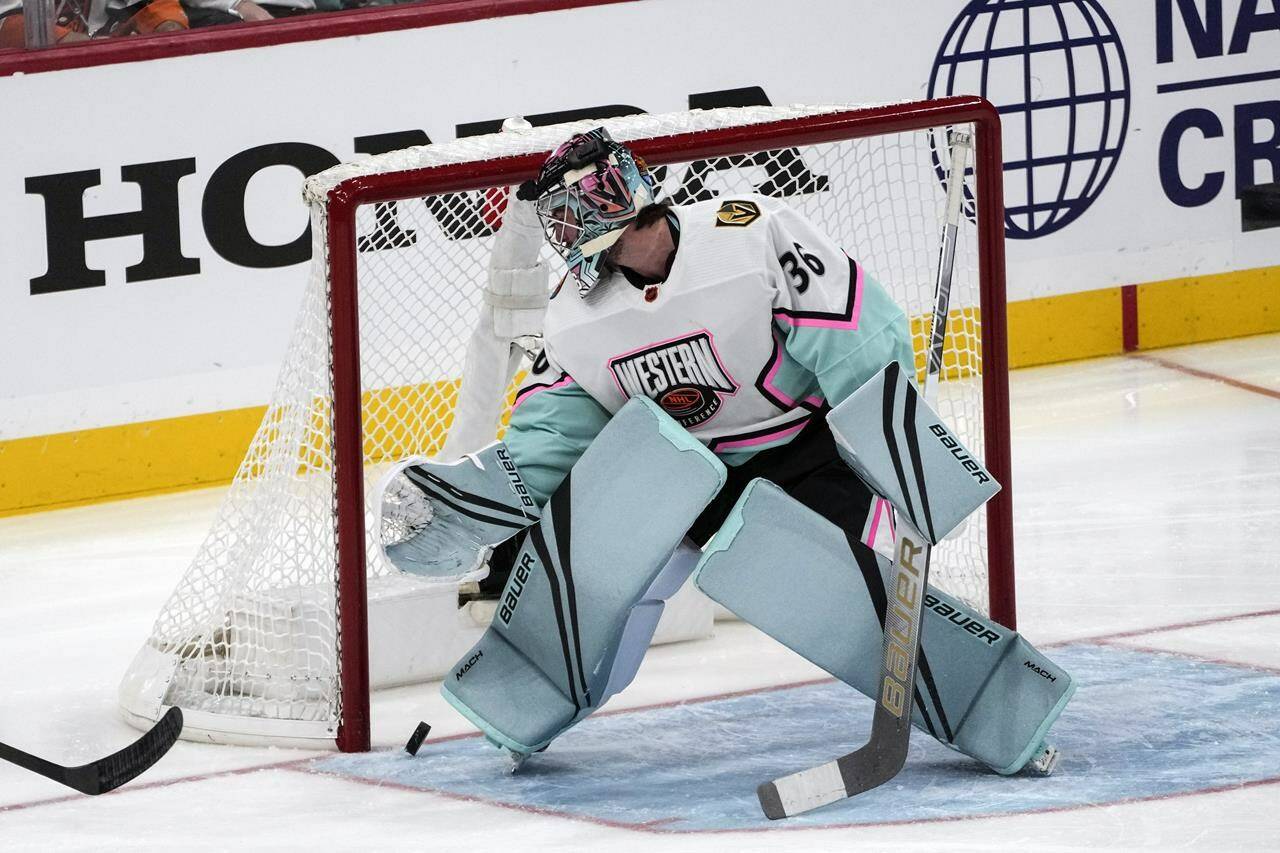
{"points": [[106, 774], [883, 755]]}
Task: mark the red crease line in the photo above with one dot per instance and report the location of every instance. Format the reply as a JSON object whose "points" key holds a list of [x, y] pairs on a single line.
{"points": [[160, 783], [1177, 626], [1205, 374], [303, 764]]}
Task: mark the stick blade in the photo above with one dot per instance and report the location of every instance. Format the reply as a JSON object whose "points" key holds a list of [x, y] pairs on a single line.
{"points": [[875, 763], [111, 772], [770, 801], [802, 792]]}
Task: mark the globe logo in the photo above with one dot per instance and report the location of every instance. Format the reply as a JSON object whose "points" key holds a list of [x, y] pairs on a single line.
{"points": [[1056, 71]]}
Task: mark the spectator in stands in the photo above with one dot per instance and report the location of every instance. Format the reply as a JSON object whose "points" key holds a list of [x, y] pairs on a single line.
{"points": [[82, 19], [204, 13]]}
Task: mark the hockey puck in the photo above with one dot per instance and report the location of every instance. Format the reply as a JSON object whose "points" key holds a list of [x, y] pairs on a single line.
{"points": [[416, 739]]}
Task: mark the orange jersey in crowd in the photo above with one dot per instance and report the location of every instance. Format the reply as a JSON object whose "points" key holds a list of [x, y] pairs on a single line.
{"points": [[146, 19]]}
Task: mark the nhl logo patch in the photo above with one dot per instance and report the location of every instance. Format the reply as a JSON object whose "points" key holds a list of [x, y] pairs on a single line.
{"points": [[737, 214], [681, 402]]}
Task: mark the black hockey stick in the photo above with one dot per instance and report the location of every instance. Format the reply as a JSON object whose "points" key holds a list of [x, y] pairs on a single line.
{"points": [[106, 774], [882, 757]]}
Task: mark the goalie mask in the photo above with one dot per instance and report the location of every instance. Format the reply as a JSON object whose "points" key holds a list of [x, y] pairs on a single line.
{"points": [[588, 191]]}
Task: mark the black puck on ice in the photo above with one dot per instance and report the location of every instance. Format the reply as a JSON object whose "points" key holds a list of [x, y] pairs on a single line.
{"points": [[416, 739]]}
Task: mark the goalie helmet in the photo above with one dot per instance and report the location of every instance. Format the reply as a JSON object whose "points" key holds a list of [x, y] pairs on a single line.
{"points": [[588, 191]]}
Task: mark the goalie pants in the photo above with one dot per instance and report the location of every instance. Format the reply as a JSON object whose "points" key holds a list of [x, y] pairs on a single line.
{"points": [[808, 468]]}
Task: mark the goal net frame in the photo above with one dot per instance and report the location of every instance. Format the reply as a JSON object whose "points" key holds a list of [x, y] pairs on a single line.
{"points": [[400, 176], [347, 196]]}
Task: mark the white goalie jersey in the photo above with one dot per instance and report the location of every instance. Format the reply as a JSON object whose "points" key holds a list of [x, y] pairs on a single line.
{"points": [[761, 323]]}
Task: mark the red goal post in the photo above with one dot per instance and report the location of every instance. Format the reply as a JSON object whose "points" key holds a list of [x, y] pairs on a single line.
{"points": [[208, 650]]}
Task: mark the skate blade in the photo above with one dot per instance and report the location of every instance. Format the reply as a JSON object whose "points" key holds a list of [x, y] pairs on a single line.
{"points": [[515, 760], [1045, 761]]}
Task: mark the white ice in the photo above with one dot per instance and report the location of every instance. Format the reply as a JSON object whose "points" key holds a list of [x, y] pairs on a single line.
{"points": [[1147, 497]]}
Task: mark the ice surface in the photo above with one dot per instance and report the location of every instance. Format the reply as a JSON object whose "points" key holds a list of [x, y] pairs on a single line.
{"points": [[1147, 505], [1143, 725]]}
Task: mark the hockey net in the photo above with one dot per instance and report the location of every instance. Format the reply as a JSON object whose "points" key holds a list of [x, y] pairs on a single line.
{"points": [[264, 637]]}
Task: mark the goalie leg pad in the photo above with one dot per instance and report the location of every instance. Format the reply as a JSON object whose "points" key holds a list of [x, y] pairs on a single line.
{"points": [[980, 687], [587, 586]]}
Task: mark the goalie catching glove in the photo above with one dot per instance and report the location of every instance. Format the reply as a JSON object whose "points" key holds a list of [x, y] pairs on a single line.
{"points": [[442, 520]]}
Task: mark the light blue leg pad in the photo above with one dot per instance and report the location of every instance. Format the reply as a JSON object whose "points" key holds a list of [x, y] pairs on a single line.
{"points": [[589, 582], [980, 687]]}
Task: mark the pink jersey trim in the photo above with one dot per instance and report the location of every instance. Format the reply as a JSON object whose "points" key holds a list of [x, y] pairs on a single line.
{"points": [[829, 321], [814, 401], [656, 344], [775, 435], [882, 508], [524, 394]]}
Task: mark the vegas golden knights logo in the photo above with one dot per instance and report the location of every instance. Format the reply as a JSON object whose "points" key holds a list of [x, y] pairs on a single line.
{"points": [[737, 214]]}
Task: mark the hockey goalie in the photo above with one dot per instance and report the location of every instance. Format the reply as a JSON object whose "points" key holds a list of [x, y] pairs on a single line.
{"points": [[722, 392]]}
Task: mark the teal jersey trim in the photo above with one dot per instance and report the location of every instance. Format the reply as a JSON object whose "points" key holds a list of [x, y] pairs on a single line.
{"points": [[550, 429]]}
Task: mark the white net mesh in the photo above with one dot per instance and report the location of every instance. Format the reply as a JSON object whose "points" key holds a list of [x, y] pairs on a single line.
{"points": [[251, 627]]}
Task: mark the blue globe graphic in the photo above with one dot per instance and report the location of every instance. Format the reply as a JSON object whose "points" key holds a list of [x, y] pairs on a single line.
{"points": [[1056, 71]]}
